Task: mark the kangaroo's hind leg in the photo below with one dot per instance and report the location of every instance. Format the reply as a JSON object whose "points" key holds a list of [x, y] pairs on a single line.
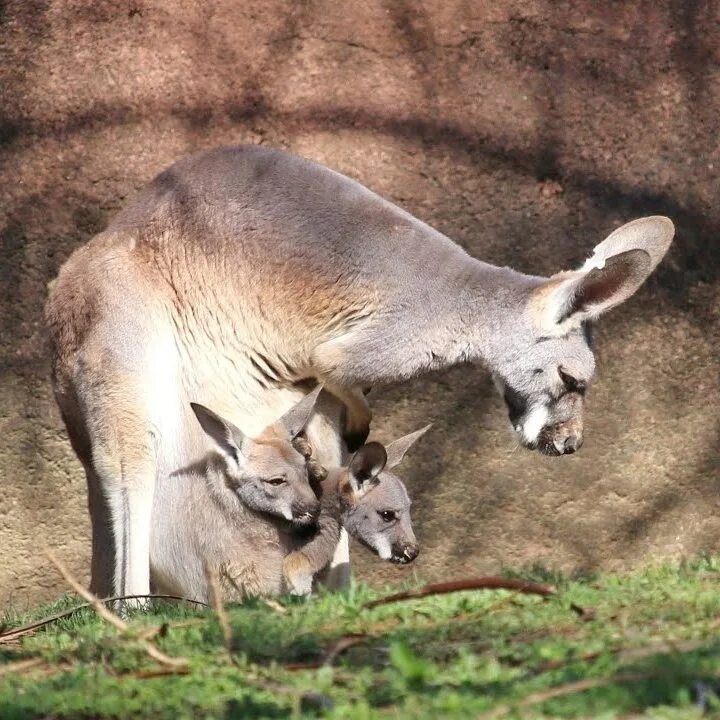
{"points": [[102, 562], [121, 479], [103, 552]]}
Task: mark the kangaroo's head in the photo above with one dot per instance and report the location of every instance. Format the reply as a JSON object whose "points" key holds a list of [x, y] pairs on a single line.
{"points": [[545, 364], [375, 506], [266, 472]]}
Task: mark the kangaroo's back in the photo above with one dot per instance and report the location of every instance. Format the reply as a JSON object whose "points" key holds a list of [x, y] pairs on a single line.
{"points": [[285, 231]]}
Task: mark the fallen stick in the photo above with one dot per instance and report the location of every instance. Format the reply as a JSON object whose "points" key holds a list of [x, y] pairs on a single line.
{"points": [[571, 688], [16, 633], [216, 600], [332, 651], [106, 614], [488, 582], [20, 665], [625, 654]]}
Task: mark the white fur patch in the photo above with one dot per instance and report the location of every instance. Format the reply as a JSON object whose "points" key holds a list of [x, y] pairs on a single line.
{"points": [[534, 422], [286, 512], [596, 261], [382, 545], [160, 390]]}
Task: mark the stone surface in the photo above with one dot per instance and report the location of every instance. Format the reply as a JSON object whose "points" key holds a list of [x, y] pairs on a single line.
{"points": [[524, 130]]}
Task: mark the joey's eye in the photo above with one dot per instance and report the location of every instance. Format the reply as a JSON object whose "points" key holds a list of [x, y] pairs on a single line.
{"points": [[276, 481], [387, 515], [571, 383]]}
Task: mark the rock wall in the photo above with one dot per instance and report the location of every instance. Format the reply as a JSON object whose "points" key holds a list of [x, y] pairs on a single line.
{"points": [[525, 130]]}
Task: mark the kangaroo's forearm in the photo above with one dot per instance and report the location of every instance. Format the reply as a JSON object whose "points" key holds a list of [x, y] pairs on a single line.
{"points": [[318, 551]]}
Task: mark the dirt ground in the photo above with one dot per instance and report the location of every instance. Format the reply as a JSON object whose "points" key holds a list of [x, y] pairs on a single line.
{"points": [[525, 130]]}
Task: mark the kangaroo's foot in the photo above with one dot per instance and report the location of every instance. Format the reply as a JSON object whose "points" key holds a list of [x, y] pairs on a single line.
{"points": [[298, 574]]}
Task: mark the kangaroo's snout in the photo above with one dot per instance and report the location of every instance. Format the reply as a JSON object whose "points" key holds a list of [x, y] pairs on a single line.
{"points": [[404, 554], [561, 439], [568, 445]]}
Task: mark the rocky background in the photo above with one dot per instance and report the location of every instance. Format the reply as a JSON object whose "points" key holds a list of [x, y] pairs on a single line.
{"points": [[526, 130]]}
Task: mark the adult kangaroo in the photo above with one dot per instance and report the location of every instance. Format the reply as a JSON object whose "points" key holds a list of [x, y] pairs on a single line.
{"points": [[238, 273]]}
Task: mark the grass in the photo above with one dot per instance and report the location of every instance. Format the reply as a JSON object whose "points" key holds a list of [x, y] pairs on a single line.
{"points": [[644, 644]]}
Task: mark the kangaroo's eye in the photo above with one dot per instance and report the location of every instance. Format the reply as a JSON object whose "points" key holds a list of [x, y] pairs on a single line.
{"points": [[276, 481], [388, 515]]}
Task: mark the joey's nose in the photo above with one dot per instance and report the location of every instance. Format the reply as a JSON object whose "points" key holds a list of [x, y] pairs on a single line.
{"points": [[568, 445]]}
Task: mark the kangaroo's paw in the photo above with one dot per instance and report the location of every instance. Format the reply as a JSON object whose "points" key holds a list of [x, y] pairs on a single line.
{"points": [[298, 574]]}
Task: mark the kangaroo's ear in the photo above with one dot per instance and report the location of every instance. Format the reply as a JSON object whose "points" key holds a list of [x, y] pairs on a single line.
{"points": [[296, 418], [620, 264], [565, 301], [366, 464], [396, 450], [227, 437], [651, 234]]}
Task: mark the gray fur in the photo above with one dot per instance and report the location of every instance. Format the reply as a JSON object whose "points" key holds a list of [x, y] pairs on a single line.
{"points": [[370, 502], [239, 272], [236, 513], [267, 477]]}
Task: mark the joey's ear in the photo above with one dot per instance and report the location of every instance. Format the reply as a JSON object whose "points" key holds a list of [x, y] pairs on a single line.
{"points": [[366, 464], [396, 450], [295, 419], [565, 301], [227, 437]]}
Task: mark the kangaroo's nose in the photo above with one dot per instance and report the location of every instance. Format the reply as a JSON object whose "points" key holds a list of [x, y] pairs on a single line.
{"points": [[568, 445]]}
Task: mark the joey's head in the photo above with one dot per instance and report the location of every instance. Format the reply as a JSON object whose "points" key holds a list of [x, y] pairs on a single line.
{"points": [[375, 506], [545, 364], [266, 473]]}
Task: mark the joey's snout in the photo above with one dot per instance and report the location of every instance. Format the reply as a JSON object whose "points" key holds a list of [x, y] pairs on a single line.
{"points": [[305, 512], [404, 554]]}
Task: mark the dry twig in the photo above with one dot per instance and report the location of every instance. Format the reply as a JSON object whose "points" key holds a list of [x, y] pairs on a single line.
{"points": [[568, 689], [489, 582], [624, 654], [275, 605], [15, 633], [332, 651], [110, 617], [216, 601], [20, 665]]}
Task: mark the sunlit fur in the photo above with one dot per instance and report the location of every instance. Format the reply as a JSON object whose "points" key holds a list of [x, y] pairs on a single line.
{"points": [[370, 502], [237, 273]]}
